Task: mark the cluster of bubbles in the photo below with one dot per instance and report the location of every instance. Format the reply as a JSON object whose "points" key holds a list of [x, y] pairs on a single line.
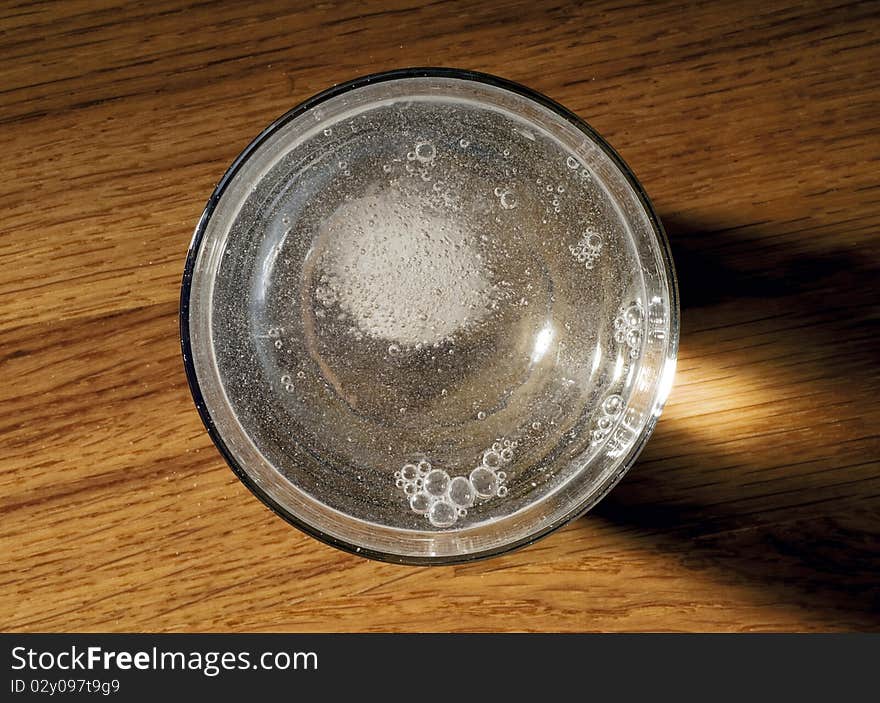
{"points": [[553, 191], [578, 167], [628, 328], [420, 159], [587, 250], [326, 293], [352, 125], [287, 380], [420, 163], [609, 413], [274, 333], [444, 499]]}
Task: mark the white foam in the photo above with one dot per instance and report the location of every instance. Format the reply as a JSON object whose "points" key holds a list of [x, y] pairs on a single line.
{"points": [[403, 272]]}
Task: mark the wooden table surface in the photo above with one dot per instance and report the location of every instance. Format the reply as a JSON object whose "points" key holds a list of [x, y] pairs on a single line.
{"points": [[754, 127]]}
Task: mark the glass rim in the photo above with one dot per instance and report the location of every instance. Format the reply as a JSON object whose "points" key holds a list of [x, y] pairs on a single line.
{"points": [[578, 509]]}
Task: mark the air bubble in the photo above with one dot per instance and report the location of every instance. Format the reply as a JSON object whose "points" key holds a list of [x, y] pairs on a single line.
{"points": [[410, 489], [409, 472], [572, 162], [491, 458], [502, 491], [506, 454], [484, 481], [425, 151], [420, 503], [481, 415], [633, 316], [442, 514], [613, 404], [508, 200], [461, 492], [436, 482], [424, 467], [328, 132], [393, 349], [463, 143]]}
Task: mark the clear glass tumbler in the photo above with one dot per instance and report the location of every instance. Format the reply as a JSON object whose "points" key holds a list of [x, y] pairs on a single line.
{"points": [[429, 316]]}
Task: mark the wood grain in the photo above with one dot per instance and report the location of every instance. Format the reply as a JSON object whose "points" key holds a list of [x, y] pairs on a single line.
{"points": [[754, 127]]}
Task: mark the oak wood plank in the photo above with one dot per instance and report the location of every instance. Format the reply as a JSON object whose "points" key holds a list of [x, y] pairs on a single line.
{"points": [[754, 126]]}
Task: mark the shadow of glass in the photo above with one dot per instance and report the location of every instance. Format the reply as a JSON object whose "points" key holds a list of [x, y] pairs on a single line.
{"points": [[764, 471]]}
